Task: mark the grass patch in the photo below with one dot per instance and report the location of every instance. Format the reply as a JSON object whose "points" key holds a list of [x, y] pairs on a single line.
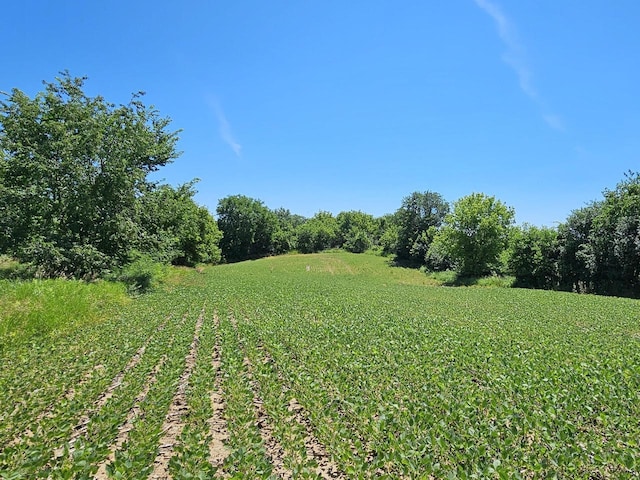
{"points": [[38, 308], [334, 264], [11, 269], [449, 278], [142, 275]]}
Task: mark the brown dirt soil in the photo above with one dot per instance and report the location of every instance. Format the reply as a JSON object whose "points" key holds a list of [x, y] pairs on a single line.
{"points": [[274, 450], [316, 451], [218, 451], [174, 423], [127, 426]]}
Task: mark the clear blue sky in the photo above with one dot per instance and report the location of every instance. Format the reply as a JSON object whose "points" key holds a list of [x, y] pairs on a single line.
{"points": [[339, 105]]}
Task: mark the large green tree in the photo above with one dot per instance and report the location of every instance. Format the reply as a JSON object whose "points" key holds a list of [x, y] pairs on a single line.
{"points": [[418, 219], [176, 229], [247, 226], [356, 230], [319, 233], [533, 257], [616, 238], [476, 232], [577, 264], [284, 239], [72, 168], [600, 243]]}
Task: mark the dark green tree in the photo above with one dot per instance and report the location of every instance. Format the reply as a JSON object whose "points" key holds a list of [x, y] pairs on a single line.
{"points": [[600, 243], [356, 230], [318, 233], [247, 226], [616, 237], [476, 233], [174, 228], [533, 257], [72, 168], [418, 219], [284, 239], [577, 263], [387, 233]]}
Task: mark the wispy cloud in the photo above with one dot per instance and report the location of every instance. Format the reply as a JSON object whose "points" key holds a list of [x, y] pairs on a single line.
{"points": [[224, 128], [515, 57], [554, 121]]}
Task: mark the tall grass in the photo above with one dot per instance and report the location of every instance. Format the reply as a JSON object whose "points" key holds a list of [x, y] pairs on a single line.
{"points": [[450, 278], [31, 309]]}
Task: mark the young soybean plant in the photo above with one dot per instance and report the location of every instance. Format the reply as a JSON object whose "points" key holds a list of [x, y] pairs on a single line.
{"points": [[191, 459], [248, 458]]}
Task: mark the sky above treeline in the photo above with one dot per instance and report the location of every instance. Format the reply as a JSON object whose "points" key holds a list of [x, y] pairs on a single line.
{"points": [[352, 105]]}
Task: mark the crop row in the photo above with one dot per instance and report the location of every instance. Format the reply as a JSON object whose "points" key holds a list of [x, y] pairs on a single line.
{"points": [[72, 394]]}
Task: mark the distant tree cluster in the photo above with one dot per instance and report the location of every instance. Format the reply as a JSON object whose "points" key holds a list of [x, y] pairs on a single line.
{"points": [[252, 230], [75, 199], [596, 250], [598, 247]]}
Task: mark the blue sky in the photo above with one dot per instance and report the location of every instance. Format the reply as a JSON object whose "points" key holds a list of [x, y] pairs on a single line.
{"points": [[352, 105]]}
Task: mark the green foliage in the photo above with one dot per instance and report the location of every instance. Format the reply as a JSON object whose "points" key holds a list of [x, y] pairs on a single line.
{"points": [[248, 228], [321, 232], [175, 229], [437, 258], [451, 278], [615, 238], [501, 281], [71, 171], [599, 245], [389, 239], [419, 217], [356, 231], [142, 274], [476, 233], [11, 269], [50, 260], [284, 238], [357, 241], [38, 308], [577, 262], [533, 257]]}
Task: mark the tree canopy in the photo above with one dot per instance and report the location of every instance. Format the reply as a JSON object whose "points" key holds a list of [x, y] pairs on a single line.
{"points": [[320, 232], [418, 219], [247, 226], [476, 233], [175, 229], [73, 171]]}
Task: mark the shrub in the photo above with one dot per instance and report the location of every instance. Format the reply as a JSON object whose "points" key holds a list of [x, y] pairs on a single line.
{"points": [[357, 241], [141, 275]]}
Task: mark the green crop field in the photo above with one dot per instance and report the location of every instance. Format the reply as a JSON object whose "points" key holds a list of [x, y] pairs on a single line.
{"points": [[321, 366]]}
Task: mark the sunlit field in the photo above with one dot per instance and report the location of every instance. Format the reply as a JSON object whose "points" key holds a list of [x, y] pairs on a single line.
{"points": [[330, 365]]}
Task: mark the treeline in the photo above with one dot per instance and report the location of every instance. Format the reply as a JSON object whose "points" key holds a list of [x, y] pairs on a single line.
{"points": [[76, 201], [596, 250]]}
